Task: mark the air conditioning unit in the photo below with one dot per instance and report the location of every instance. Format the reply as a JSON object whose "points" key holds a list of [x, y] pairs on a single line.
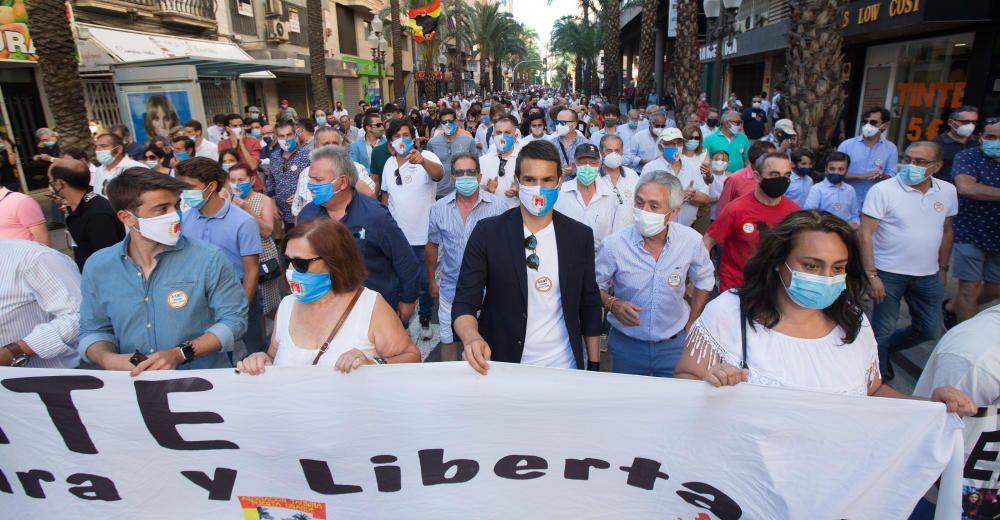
{"points": [[277, 31], [744, 24], [273, 8]]}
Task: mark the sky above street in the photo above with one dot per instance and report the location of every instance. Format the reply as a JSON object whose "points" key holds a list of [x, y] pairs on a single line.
{"points": [[540, 16]]}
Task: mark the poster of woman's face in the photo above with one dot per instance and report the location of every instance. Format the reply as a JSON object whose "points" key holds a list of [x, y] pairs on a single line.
{"points": [[158, 113]]}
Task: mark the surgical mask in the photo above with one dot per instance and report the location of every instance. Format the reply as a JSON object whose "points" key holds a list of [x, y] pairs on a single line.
{"points": [[320, 120], [586, 174], [308, 287], [692, 144], [670, 154], [656, 131], [966, 130], [193, 198], [814, 291], [719, 166], [712, 122], [610, 122], [991, 147], [486, 120], [775, 187], [255, 132], [93, 129], [648, 223], [227, 166], [165, 229], [538, 132], [254, 115], [835, 178], [755, 104], [802, 171], [243, 188], [466, 186], [735, 129], [449, 128], [402, 145], [911, 174], [321, 192], [151, 164], [538, 200], [48, 144], [633, 124], [562, 130], [105, 157], [182, 156], [288, 144], [503, 143], [869, 130], [236, 132], [613, 160]]}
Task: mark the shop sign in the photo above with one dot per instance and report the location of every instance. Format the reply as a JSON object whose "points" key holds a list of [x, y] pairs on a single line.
{"points": [[244, 7], [365, 67], [293, 20], [927, 99], [868, 12], [15, 41], [707, 52]]}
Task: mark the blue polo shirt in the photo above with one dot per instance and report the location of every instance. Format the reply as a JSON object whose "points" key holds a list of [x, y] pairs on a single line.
{"points": [[230, 229], [387, 253], [191, 290], [978, 221]]}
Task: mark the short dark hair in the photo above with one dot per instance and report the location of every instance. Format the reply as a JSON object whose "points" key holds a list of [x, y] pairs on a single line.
{"points": [[576, 117], [193, 123], [799, 153], [506, 119], [758, 149], [306, 124], [964, 108], [122, 129], [390, 108], [539, 150], [283, 124], [188, 142], [230, 117], [333, 242], [837, 157], [758, 165], [155, 150], [76, 153], [75, 174], [219, 118], [228, 151], [203, 169], [610, 109], [125, 191], [464, 155], [396, 124], [251, 172], [446, 111], [115, 140], [882, 111]]}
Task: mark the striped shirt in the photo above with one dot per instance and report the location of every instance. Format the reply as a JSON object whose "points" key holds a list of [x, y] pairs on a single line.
{"points": [[40, 302], [656, 286], [451, 234]]}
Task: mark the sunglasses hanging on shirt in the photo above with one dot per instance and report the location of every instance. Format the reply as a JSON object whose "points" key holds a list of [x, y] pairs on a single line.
{"points": [[531, 243]]}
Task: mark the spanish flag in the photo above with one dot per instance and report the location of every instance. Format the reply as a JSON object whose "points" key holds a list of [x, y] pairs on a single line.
{"points": [[424, 20]]}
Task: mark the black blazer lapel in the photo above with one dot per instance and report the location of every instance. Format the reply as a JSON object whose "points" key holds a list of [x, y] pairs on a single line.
{"points": [[564, 247], [519, 261]]}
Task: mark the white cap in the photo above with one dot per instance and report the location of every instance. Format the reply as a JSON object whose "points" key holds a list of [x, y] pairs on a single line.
{"points": [[670, 134]]}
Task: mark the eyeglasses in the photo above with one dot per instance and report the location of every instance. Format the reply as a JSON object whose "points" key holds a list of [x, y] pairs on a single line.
{"points": [[464, 173], [873, 122], [299, 264], [736, 122], [531, 243], [917, 162], [966, 121], [376, 125], [151, 158], [564, 123]]}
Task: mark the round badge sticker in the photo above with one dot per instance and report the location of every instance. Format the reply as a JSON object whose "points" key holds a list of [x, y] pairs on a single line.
{"points": [[543, 284], [836, 206], [408, 179], [293, 167], [177, 299], [939, 206], [674, 280], [748, 228]]}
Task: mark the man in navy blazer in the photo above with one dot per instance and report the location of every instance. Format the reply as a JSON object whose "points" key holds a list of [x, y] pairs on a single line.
{"points": [[541, 302], [374, 135]]}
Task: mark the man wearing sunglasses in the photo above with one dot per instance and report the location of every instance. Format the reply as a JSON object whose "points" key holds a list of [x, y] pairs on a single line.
{"points": [[452, 220], [960, 136], [642, 148], [536, 266], [448, 142], [730, 139], [873, 157], [567, 138], [362, 149]]}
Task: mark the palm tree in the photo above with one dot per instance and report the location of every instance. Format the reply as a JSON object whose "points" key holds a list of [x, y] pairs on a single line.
{"points": [[647, 49], [686, 66], [813, 95], [56, 51], [612, 50], [317, 55], [490, 31], [571, 36], [397, 52]]}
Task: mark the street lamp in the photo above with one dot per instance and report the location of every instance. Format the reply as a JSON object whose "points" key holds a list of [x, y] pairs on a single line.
{"points": [[724, 29], [378, 45]]}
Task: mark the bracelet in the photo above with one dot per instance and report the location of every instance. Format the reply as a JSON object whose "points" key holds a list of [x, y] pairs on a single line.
{"points": [[944, 267], [610, 303]]}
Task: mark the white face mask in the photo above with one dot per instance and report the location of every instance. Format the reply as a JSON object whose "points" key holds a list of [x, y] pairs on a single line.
{"points": [[735, 129], [719, 166], [649, 224], [562, 130], [165, 229], [613, 160], [869, 131], [965, 130]]}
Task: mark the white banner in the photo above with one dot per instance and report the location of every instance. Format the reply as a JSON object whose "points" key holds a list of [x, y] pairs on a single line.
{"points": [[440, 441], [981, 485]]}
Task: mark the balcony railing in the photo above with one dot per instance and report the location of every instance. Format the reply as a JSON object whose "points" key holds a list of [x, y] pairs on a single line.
{"points": [[190, 14], [197, 8]]}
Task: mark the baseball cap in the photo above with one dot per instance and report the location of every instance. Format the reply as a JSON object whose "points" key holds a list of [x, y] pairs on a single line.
{"points": [[587, 150], [786, 126], [253, 109], [670, 134], [284, 101]]}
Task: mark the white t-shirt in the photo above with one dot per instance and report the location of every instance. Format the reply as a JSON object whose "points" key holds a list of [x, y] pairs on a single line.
{"points": [[340, 113], [691, 173], [967, 358], [911, 225], [603, 214], [353, 334], [208, 150], [821, 365], [410, 202], [546, 340], [489, 164], [101, 176], [624, 188]]}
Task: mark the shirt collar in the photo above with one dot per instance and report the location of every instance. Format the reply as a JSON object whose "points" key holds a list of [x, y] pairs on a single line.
{"points": [[226, 205], [935, 186], [123, 252]]}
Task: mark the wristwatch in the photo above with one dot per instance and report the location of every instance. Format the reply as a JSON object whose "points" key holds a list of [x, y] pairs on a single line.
{"points": [[187, 349], [379, 360], [18, 357]]}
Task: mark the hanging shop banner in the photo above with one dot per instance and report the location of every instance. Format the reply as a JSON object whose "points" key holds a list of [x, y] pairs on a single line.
{"points": [[424, 20], [15, 40], [441, 441]]}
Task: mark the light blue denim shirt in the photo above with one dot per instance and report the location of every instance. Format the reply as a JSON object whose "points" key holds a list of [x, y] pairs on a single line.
{"points": [[191, 290], [865, 159], [451, 234]]}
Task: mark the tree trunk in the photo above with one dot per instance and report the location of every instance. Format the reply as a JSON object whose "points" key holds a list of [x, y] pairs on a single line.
{"points": [[595, 82], [484, 75], [429, 84], [56, 51], [647, 51], [317, 55], [578, 73], [686, 66], [813, 97], [612, 52], [397, 54]]}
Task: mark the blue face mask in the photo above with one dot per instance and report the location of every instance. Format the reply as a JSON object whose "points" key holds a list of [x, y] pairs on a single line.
{"points": [[504, 143], [320, 120], [321, 192], [193, 198], [182, 156], [692, 144], [450, 128], [486, 120], [255, 132], [633, 124], [288, 144], [402, 146], [670, 153], [466, 186], [226, 166], [538, 200], [308, 287], [991, 147], [243, 188], [586, 174], [911, 174], [814, 291]]}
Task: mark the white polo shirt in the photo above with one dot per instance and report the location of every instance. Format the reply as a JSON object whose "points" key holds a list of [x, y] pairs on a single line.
{"points": [[546, 340], [624, 188], [410, 202], [603, 215], [489, 165], [101, 176], [208, 150], [690, 172], [911, 225]]}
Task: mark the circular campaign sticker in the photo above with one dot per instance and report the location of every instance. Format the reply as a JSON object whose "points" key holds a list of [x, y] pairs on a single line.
{"points": [[674, 280], [748, 228], [177, 299], [543, 284]]}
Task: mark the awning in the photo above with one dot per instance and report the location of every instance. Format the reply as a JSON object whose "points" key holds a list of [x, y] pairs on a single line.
{"points": [[103, 47]]}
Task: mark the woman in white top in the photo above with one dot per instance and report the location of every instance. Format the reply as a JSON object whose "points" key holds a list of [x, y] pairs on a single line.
{"points": [[718, 171], [325, 277], [804, 327], [696, 194]]}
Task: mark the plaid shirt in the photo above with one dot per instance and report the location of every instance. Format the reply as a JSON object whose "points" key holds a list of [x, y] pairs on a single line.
{"points": [[284, 173]]}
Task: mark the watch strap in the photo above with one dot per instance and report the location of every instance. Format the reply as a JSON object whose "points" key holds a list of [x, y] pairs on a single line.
{"points": [[187, 350]]}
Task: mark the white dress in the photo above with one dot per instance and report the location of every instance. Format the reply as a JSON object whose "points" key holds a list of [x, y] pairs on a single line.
{"points": [[353, 334], [821, 365]]}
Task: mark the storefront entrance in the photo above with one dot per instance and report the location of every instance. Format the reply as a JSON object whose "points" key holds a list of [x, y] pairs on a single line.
{"points": [[24, 109]]}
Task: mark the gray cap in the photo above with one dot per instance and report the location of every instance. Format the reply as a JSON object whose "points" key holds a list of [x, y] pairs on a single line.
{"points": [[253, 109]]}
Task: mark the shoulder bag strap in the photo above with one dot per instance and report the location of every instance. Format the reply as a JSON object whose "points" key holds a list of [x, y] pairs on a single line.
{"points": [[743, 335], [340, 323]]}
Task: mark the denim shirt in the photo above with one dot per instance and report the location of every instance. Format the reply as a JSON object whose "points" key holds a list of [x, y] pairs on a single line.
{"points": [[191, 290]]}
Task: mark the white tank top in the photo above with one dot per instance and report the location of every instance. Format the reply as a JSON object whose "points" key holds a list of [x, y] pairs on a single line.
{"points": [[353, 334]]}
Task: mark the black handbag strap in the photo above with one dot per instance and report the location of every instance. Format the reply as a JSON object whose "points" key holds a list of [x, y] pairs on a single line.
{"points": [[743, 335]]}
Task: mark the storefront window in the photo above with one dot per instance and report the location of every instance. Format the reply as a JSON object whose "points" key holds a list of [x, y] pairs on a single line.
{"points": [[920, 82]]}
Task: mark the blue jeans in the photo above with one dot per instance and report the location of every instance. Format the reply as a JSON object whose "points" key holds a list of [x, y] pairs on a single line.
{"points": [[425, 299], [924, 295], [644, 358], [255, 338]]}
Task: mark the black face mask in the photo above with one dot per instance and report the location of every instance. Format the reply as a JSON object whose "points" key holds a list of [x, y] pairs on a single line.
{"points": [[835, 178], [775, 187], [712, 122], [803, 171]]}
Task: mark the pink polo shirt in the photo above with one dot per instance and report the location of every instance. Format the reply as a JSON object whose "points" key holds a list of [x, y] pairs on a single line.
{"points": [[18, 212]]}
